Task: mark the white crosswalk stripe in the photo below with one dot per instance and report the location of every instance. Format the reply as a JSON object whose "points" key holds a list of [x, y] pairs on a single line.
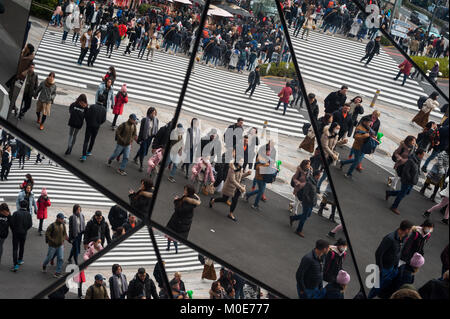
{"points": [[334, 61], [62, 186], [214, 93], [138, 251]]}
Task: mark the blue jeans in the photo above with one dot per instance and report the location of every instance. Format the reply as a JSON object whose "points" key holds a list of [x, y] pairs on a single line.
{"points": [[76, 248], [386, 278], [59, 252], [321, 180], [239, 293], [259, 192], [285, 105], [404, 190], [316, 293], [430, 158], [126, 153], [175, 47], [64, 37], [173, 170], [303, 217], [167, 45], [359, 156]]}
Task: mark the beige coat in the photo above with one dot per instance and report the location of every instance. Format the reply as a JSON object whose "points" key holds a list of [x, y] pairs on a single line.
{"points": [[429, 105], [233, 181], [329, 144]]}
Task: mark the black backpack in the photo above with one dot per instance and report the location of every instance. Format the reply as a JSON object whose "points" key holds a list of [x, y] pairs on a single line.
{"points": [[420, 101], [305, 128]]}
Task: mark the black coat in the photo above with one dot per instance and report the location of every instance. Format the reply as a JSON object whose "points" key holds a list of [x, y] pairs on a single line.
{"points": [[309, 273], [158, 274], [333, 263], [140, 202], [346, 123], [5, 222], [77, 115], [162, 137], [254, 78], [413, 244], [21, 222], [314, 109], [373, 47], [388, 252], [95, 230], [410, 171], [95, 115], [334, 101], [137, 288], [181, 220], [435, 289], [333, 291], [117, 216]]}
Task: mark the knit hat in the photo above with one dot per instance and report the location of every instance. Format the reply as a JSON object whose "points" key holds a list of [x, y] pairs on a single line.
{"points": [[124, 88], [343, 278], [44, 192], [417, 260]]}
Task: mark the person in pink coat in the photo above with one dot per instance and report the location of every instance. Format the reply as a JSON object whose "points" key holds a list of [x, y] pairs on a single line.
{"points": [[405, 68], [93, 248], [155, 160], [119, 102], [284, 95], [42, 203], [202, 173]]}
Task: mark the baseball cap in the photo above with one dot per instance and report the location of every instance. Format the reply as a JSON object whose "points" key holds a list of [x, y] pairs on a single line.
{"points": [[61, 216], [98, 213], [99, 277], [133, 117]]}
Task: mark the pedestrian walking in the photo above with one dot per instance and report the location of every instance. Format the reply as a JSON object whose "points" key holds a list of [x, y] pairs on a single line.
{"points": [[309, 274], [439, 145], [31, 86], [233, 187], [181, 219], [203, 176], [78, 24], [77, 226], [192, 147], [5, 224], [442, 204], [405, 68], [20, 223], [309, 200], [93, 248], [119, 102], [298, 181], [437, 174], [335, 100], [118, 284], [307, 26], [94, 48], [387, 256], [372, 48], [130, 224], [157, 273], [95, 116], [416, 241], [334, 260], [142, 286], [98, 289], [209, 272], [152, 46], [85, 41], [344, 118], [42, 203], [253, 81], [77, 114], [6, 162], [97, 227], [147, 131], [21, 153], [117, 216], [409, 177], [125, 134], [27, 195], [422, 118], [47, 93], [106, 89], [284, 97], [142, 199], [54, 236]]}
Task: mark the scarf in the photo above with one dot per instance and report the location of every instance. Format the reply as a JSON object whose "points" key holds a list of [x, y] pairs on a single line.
{"points": [[49, 83], [119, 285], [147, 126], [78, 228]]}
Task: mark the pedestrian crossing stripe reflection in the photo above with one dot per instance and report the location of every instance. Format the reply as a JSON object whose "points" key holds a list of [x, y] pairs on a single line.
{"points": [[213, 93]]}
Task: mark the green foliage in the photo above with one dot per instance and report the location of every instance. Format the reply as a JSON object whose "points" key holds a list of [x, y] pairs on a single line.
{"points": [[143, 8], [443, 64], [279, 70], [43, 9]]}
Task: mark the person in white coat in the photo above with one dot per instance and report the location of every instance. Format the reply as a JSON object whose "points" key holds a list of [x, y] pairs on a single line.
{"points": [[77, 24], [422, 118]]}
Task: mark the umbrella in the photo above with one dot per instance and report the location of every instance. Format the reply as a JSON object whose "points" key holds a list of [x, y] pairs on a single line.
{"points": [[215, 11], [183, 1], [234, 9]]}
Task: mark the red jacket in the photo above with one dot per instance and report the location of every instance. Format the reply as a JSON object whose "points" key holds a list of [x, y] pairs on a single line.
{"points": [[122, 30], [285, 94], [42, 205], [119, 102], [406, 67]]}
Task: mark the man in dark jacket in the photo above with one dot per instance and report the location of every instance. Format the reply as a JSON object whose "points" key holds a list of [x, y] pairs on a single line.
{"points": [[117, 217], [162, 137], [387, 256], [125, 135], [77, 111], [309, 273], [372, 48], [253, 81], [409, 178], [97, 227], [234, 137], [157, 273], [20, 223], [142, 286], [335, 100], [5, 222], [344, 119], [147, 131], [309, 198], [95, 117], [31, 85]]}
